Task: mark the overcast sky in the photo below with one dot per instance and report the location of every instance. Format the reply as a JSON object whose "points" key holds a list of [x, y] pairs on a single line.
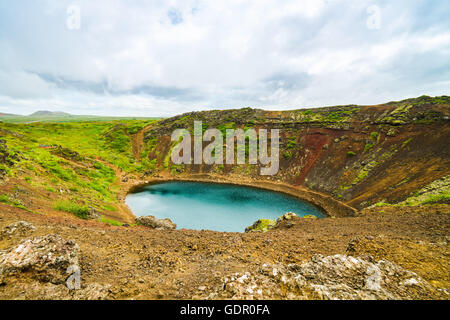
{"points": [[161, 58]]}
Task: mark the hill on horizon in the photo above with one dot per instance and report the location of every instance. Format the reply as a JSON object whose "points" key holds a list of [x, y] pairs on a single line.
{"points": [[46, 113]]}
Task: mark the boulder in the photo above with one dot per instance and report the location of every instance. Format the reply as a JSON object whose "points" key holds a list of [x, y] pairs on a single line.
{"points": [[152, 222], [19, 228], [46, 258], [264, 225], [287, 216]]}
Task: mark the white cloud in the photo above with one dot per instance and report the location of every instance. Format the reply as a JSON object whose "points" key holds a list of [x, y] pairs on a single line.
{"points": [[173, 56]]}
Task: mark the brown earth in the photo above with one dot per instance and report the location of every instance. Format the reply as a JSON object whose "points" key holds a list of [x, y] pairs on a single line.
{"points": [[140, 263]]}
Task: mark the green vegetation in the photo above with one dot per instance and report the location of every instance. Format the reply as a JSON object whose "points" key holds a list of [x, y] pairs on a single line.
{"points": [[292, 142], [333, 114], [368, 146], [287, 155], [75, 158], [110, 221], [374, 136], [262, 225], [443, 197], [4, 198], [72, 207], [223, 127], [351, 154]]}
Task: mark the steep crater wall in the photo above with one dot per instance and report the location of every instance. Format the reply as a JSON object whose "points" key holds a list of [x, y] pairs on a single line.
{"points": [[360, 155]]}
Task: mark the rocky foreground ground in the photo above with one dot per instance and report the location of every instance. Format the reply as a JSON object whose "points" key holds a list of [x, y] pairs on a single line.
{"points": [[385, 253]]}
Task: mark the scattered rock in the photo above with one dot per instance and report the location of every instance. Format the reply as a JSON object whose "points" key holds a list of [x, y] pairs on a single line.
{"points": [[324, 278], [19, 228], [93, 214], [45, 258], [287, 216], [152, 222]]}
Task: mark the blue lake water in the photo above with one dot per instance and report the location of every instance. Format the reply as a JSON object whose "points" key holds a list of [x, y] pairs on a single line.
{"points": [[213, 206]]}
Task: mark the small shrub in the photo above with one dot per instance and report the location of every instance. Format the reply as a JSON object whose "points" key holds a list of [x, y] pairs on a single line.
{"points": [[351, 154], [368, 146], [374, 135]]}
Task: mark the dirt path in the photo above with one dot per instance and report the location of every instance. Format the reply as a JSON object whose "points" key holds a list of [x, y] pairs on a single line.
{"points": [[137, 142]]}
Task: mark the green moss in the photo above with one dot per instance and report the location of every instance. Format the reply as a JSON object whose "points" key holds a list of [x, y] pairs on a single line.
{"points": [[263, 225], [351, 154]]}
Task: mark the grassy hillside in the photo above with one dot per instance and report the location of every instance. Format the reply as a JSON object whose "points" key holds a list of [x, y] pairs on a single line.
{"points": [[73, 162]]}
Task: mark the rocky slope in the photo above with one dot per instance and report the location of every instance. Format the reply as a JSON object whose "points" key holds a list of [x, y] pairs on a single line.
{"points": [[385, 253]]}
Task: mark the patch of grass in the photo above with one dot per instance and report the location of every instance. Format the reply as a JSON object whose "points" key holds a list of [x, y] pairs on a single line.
{"points": [[72, 207], [110, 221], [437, 198], [368, 146], [287, 155], [4, 198], [16, 203], [374, 135], [292, 142], [351, 154], [109, 208]]}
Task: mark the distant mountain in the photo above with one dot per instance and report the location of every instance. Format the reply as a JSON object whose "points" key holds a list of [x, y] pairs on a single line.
{"points": [[44, 113]]}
